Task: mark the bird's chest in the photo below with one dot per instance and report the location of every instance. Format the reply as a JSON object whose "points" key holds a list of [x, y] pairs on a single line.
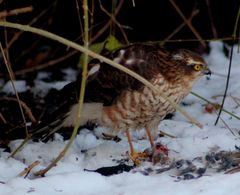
{"points": [[145, 108], [153, 106]]}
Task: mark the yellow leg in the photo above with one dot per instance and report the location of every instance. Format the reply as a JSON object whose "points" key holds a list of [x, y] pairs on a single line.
{"points": [[130, 142], [149, 135], [134, 156]]}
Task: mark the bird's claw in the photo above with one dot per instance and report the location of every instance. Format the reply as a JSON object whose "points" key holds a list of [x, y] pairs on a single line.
{"points": [[137, 157], [156, 154]]}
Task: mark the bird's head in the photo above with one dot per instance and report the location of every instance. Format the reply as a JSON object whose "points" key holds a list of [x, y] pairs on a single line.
{"points": [[192, 63]]}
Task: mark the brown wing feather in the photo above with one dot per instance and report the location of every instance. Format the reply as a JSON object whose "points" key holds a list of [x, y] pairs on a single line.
{"points": [[106, 84]]}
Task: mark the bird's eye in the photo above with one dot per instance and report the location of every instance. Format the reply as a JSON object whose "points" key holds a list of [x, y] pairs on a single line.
{"points": [[198, 67]]}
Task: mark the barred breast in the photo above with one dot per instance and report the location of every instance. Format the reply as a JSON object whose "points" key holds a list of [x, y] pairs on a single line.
{"points": [[142, 109]]}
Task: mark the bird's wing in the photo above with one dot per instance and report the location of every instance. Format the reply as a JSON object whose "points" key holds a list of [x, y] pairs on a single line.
{"points": [[108, 82]]}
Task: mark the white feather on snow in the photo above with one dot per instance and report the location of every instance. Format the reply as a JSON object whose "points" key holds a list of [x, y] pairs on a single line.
{"points": [[68, 177]]}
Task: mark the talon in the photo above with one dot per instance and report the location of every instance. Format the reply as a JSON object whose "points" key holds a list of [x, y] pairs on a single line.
{"points": [[134, 158], [137, 157]]}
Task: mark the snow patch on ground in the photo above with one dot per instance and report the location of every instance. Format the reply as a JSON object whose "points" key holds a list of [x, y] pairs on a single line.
{"points": [[20, 86]]}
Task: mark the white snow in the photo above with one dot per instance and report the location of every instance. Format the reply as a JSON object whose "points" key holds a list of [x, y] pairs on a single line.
{"points": [[41, 87], [88, 152], [20, 86], [70, 74]]}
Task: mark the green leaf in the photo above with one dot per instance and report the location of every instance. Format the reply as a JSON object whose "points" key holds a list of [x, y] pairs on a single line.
{"points": [[110, 44]]}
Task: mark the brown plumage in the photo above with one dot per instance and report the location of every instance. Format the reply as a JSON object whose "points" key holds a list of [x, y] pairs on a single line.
{"points": [[116, 100]]}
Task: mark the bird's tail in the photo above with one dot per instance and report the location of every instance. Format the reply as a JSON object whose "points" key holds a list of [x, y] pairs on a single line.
{"points": [[44, 131], [91, 112]]}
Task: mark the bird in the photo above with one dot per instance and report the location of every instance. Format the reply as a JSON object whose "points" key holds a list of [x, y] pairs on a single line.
{"points": [[115, 100]]}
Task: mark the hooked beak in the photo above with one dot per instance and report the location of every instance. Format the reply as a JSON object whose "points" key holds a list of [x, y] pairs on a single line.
{"points": [[207, 71]]}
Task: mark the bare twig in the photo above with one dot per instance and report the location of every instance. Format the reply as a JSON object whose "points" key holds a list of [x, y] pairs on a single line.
{"points": [[91, 19], [133, 3], [226, 125], [197, 40], [27, 170], [236, 100], [17, 11], [115, 21], [58, 60], [28, 137], [188, 23], [18, 34], [79, 18], [230, 65], [24, 105], [3, 119], [167, 134], [194, 13], [103, 29], [47, 64], [81, 96], [10, 72], [224, 110], [214, 31], [233, 170], [6, 52]]}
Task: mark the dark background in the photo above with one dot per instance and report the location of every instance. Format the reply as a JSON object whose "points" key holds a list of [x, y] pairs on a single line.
{"points": [[148, 20]]}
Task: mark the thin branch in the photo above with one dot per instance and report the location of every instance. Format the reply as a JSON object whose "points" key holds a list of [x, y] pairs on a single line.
{"points": [[79, 18], [214, 31], [230, 66], [24, 105], [27, 170], [224, 110], [227, 83], [17, 11], [81, 96], [58, 60], [188, 23], [3, 119], [6, 52], [10, 72], [103, 29], [18, 34], [226, 125], [236, 100], [28, 137], [197, 40], [112, 17], [236, 24], [47, 64], [91, 12], [176, 30], [214, 105], [167, 134]]}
